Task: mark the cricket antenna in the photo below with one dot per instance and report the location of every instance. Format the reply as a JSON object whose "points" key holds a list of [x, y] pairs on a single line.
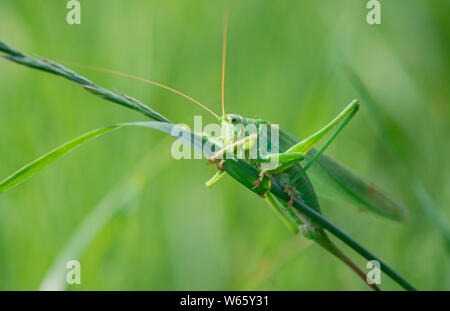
{"points": [[126, 75], [224, 55]]}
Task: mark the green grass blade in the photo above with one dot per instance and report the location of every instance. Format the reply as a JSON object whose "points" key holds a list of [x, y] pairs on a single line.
{"points": [[430, 209], [40, 163], [47, 65]]}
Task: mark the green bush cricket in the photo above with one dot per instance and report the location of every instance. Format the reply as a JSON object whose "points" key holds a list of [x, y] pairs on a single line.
{"points": [[288, 173]]}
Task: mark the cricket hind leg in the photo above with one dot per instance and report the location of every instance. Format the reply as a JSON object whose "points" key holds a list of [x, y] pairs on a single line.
{"points": [[305, 145], [282, 160], [282, 212], [297, 152], [295, 221]]}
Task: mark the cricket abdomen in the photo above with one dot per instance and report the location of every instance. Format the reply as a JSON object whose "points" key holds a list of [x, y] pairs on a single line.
{"points": [[306, 191], [303, 190]]}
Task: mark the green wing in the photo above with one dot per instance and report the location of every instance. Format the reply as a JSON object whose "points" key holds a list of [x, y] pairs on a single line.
{"points": [[331, 174]]}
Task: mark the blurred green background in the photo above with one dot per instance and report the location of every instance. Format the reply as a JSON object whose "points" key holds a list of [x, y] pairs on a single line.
{"points": [[163, 229]]}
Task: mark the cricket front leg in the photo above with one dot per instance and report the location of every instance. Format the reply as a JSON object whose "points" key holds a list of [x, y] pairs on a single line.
{"points": [[220, 173], [249, 140], [298, 151], [309, 142], [217, 142]]}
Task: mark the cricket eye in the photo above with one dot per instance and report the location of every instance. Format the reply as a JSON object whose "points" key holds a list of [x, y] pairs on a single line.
{"points": [[233, 120]]}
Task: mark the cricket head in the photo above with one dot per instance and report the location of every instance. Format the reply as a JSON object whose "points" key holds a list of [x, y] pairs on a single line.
{"points": [[231, 119], [232, 125]]}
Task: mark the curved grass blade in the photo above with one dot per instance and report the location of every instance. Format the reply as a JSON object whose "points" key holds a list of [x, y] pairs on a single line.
{"points": [[40, 163], [49, 66]]}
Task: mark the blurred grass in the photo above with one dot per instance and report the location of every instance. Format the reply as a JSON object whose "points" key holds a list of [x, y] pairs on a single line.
{"points": [[120, 201], [284, 65], [402, 147]]}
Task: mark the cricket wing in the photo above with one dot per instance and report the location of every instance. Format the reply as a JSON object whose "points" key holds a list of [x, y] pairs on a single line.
{"points": [[329, 173]]}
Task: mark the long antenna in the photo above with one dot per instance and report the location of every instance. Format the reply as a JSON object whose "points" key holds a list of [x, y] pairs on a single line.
{"points": [[126, 75], [224, 55]]}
